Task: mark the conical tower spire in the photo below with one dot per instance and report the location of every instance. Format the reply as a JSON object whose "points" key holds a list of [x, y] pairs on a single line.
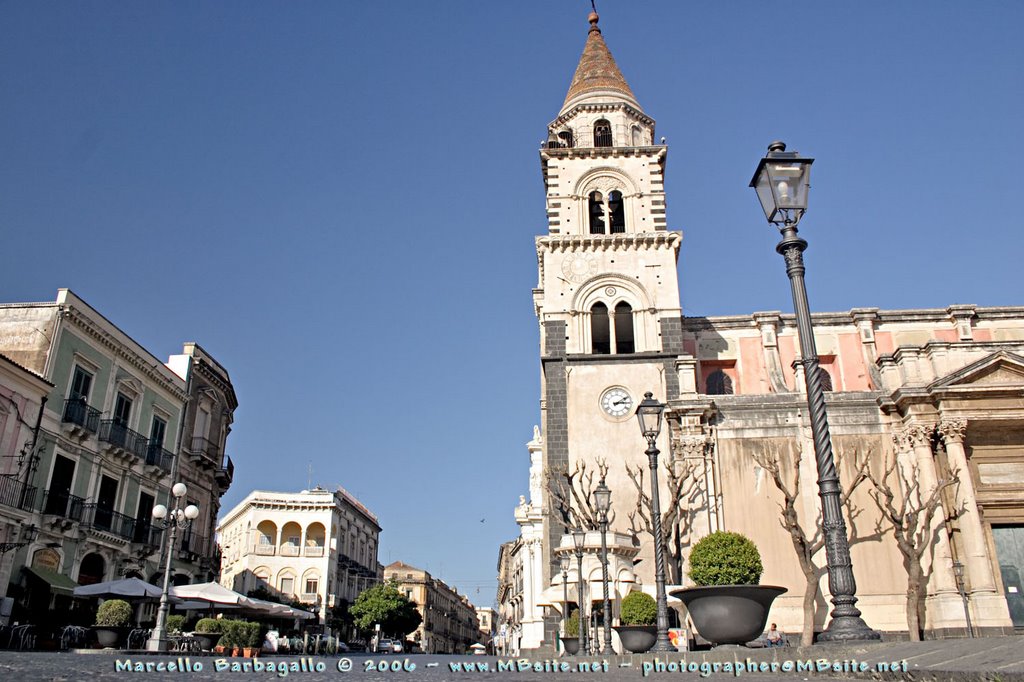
{"points": [[597, 76]]}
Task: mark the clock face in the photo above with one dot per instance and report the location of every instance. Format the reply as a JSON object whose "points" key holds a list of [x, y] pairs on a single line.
{"points": [[616, 402], [579, 267]]}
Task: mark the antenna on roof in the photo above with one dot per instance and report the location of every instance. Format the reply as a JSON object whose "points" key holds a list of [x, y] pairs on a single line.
{"points": [[309, 476], [592, 6]]}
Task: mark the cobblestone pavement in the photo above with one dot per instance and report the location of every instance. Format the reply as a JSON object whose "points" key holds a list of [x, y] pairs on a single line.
{"points": [[994, 659]]}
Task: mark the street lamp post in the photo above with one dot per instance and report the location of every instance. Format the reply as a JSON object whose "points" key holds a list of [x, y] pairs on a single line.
{"points": [[648, 413], [564, 563], [579, 539], [958, 572], [782, 181], [174, 519], [603, 501]]}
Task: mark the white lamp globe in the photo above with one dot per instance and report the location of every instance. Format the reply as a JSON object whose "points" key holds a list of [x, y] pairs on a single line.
{"points": [[159, 512], [179, 490], [191, 512]]}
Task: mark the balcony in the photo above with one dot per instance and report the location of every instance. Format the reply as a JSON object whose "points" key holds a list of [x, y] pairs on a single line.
{"points": [[205, 450], [194, 544], [264, 550], [147, 534], [226, 473], [80, 416], [158, 457], [289, 550], [63, 505], [121, 437], [14, 493], [309, 597], [314, 550], [104, 519]]}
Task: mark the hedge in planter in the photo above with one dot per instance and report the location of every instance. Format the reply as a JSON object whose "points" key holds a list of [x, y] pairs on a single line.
{"points": [[114, 613], [572, 624], [638, 608], [210, 626], [724, 558], [174, 624]]}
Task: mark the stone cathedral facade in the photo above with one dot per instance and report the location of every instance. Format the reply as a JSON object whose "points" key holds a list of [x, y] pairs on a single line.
{"points": [[932, 395]]}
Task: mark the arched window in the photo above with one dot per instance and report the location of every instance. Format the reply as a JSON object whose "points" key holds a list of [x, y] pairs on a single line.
{"points": [[602, 133], [719, 383], [596, 205], [92, 569], [624, 328], [616, 212], [825, 378], [600, 332], [606, 210]]}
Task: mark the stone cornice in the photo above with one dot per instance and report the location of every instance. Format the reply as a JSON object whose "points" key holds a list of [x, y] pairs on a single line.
{"points": [[610, 242], [599, 107], [120, 349], [851, 317]]}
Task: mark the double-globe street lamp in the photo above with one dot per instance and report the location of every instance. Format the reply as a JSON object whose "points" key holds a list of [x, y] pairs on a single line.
{"points": [[782, 181], [603, 501], [579, 539], [27, 536], [648, 413], [174, 519]]}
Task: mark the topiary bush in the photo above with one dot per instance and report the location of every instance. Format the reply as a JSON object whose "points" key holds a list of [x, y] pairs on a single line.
{"points": [[175, 623], [209, 626], [638, 608], [114, 613], [249, 635], [724, 558], [572, 624]]}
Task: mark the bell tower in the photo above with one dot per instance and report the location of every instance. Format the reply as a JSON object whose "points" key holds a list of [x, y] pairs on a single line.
{"points": [[607, 296]]}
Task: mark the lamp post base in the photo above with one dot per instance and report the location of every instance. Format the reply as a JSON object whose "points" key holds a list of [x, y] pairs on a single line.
{"points": [[158, 643], [849, 629]]}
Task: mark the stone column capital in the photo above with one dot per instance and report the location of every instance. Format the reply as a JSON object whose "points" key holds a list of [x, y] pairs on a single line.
{"points": [[900, 442], [953, 430], [691, 445], [920, 435]]}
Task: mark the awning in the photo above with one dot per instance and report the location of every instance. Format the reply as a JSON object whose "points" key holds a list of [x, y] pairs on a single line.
{"points": [[58, 582]]}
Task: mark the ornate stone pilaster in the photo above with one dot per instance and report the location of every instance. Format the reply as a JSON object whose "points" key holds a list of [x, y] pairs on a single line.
{"points": [[978, 569]]}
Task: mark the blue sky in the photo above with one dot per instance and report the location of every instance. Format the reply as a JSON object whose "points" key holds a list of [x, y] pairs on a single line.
{"points": [[339, 200]]}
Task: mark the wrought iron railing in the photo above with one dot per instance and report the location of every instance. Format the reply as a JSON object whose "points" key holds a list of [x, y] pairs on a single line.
{"points": [[227, 469], [588, 137], [77, 411], [158, 456], [146, 533], [194, 543], [205, 448], [117, 434], [14, 493], [102, 517], [63, 504]]}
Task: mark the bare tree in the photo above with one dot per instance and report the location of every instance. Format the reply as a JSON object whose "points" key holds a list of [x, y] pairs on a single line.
{"points": [[807, 545], [573, 495], [686, 495], [911, 514]]}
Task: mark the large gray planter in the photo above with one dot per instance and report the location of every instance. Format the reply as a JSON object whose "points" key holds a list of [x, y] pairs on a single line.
{"points": [[110, 637], [637, 639], [207, 640], [572, 645], [729, 614]]}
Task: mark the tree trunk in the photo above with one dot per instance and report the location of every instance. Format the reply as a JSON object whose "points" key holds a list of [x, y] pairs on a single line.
{"points": [[810, 592], [914, 603]]}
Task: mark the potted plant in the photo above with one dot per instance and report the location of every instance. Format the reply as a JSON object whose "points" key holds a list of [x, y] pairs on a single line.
{"points": [[728, 606], [571, 641], [637, 616], [113, 621], [208, 633], [250, 639], [174, 624]]}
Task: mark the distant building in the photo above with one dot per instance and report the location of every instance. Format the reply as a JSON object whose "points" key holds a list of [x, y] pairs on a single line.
{"points": [[449, 624], [107, 452], [317, 546], [485, 615]]}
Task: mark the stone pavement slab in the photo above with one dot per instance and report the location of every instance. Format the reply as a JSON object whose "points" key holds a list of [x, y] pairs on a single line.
{"points": [[993, 659]]}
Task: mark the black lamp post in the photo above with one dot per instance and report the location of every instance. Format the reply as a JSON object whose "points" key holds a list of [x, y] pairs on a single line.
{"points": [[648, 413], [564, 563], [782, 181], [26, 536], [174, 519], [958, 572], [579, 539], [603, 502]]}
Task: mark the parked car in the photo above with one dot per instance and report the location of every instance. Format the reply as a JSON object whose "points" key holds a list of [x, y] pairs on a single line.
{"points": [[386, 646], [396, 646]]}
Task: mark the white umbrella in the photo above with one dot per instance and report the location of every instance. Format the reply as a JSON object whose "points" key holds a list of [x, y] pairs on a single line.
{"points": [[212, 593], [127, 588]]}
